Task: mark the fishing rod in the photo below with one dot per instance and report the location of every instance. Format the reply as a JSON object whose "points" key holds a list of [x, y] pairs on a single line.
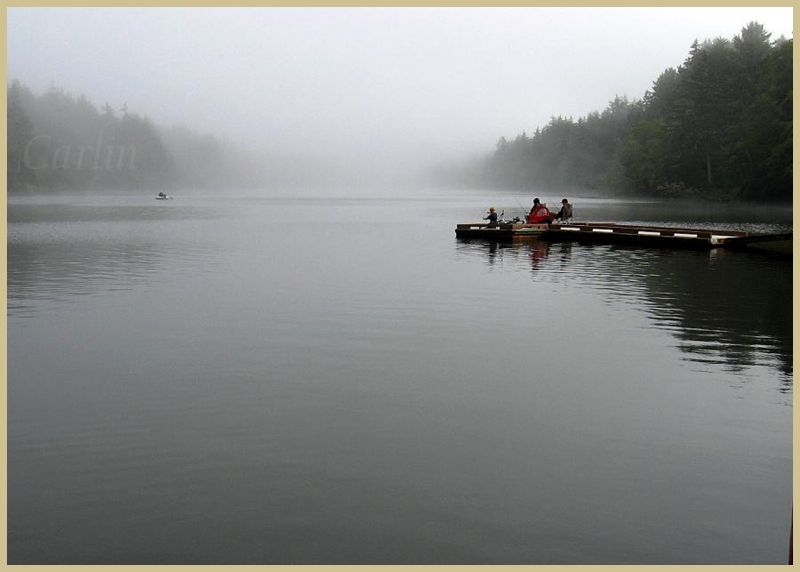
{"points": [[524, 213]]}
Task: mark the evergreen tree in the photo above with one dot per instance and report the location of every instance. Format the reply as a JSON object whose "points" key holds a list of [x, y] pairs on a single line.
{"points": [[57, 141], [20, 136], [718, 125]]}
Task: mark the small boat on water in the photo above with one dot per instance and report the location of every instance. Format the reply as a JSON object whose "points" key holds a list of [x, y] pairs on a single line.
{"points": [[639, 234], [163, 197]]}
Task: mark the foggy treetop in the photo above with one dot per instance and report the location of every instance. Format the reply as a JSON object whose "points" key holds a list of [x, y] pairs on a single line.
{"points": [[353, 93], [717, 126]]}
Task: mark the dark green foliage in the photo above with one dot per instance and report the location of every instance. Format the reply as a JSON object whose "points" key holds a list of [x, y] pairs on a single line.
{"points": [[720, 125]]}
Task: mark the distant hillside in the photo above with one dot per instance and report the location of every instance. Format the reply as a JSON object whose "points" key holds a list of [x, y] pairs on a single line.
{"points": [[719, 126], [59, 141]]}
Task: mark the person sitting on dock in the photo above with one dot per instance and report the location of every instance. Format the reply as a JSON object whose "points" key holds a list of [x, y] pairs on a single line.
{"points": [[539, 213], [492, 218], [565, 212]]}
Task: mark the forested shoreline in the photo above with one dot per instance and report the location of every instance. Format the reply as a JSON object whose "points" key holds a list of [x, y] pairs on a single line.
{"points": [[718, 126], [57, 141]]}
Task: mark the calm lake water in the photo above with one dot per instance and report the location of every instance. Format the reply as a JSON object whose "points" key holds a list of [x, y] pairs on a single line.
{"points": [[241, 378]]}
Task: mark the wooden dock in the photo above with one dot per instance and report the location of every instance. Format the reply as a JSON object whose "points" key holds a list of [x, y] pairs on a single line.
{"points": [[606, 232], [501, 231], [646, 235], [777, 244]]}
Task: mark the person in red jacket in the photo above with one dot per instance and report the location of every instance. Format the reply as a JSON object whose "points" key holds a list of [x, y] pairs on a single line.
{"points": [[539, 213]]}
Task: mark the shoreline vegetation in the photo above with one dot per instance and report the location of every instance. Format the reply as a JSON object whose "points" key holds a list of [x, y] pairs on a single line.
{"points": [[717, 128], [61, 142], [57, 141]]}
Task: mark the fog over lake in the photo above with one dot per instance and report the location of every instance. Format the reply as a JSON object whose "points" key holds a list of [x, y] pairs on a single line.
{"points": [[290, 358], [380, 91]]}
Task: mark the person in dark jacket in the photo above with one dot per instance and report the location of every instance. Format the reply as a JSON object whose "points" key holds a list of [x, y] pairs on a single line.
{"points": [[566, 210], [492, 218]]}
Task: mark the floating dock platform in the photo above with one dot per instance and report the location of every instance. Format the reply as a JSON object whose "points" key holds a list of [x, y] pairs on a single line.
{"points": [[501, 231], [606, 232]]}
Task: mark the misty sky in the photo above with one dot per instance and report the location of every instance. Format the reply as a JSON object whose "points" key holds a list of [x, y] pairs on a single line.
{"points": [[414, 84]]}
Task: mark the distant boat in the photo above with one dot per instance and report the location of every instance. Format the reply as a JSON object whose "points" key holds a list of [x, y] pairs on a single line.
{"points": [[162, 197]]}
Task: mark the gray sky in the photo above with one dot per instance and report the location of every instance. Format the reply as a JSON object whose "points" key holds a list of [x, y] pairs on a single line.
{"points": [[410, 83]]}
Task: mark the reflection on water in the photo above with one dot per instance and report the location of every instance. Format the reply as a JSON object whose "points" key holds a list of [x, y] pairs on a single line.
{"points": [[724, 307], [201, 382], [62, 250], [61, 270]]}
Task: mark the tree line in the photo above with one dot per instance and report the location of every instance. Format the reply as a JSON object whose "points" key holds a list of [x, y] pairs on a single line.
{"points": [[717, 126], [60, 141]]}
